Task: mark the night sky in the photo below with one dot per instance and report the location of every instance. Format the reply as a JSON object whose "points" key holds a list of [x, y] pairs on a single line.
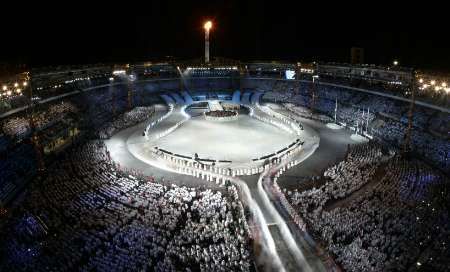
{"points": [[79, 32]]}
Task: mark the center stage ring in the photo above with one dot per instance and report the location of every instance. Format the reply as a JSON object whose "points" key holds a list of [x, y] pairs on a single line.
{"points": [[221, 115]]}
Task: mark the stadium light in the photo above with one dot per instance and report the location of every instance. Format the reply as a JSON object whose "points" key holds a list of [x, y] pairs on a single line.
{"points": [[207, 26], [395, 63], [119, 72]]}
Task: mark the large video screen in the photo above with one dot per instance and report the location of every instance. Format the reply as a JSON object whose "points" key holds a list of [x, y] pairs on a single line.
{"points": [[290, 74]]}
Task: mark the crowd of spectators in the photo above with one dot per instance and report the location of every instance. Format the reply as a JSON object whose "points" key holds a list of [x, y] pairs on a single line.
{"points": [[425, 144], [19, 127], [128, 119], [384, 118], [89, 215], [17, 167], [55, 124], [11, 102], [378, 211]]}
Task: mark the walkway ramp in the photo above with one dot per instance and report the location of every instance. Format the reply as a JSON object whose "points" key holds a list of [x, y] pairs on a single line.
{"points": [[236, 97], [177, 98], [167, 99], [187, 97], [246, 98], [256, 97], [214, 105]]}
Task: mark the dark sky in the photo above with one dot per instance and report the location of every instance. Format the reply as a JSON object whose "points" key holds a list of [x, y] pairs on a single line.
{"points": [[80, 32]]}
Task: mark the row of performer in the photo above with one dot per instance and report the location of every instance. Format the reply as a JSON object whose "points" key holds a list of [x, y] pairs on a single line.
{"points": [[290, 122], [281, 196], [195, 168], [160, 119]]}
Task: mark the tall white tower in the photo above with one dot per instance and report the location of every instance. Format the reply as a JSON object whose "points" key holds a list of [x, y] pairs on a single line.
{"points": [[207, 27]]}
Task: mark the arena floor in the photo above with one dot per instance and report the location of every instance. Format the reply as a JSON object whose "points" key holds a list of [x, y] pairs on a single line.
{"points": [[239, 141]]}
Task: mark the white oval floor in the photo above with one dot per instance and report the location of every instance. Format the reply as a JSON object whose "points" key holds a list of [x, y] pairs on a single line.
{"points": [[239, 141]]}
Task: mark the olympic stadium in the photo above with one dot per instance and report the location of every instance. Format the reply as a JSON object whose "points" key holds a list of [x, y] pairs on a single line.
{"points": [[224, 165]]}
